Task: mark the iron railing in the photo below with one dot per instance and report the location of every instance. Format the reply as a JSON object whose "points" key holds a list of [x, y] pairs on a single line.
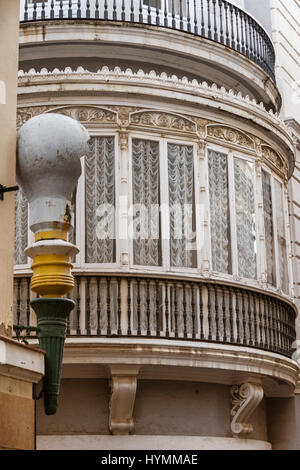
{"points": [[134, 306], [217, 20]]}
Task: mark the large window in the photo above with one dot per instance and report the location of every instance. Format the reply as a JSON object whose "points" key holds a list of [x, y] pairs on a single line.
{"points": [[100, 244], [146, 202], [269, 228], [232, 214]]}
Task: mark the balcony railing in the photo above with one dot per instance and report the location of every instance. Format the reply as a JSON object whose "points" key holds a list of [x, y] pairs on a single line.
{"points": [[217, 20], [132, 306]]}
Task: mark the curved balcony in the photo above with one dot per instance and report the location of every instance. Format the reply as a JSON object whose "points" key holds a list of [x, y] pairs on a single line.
{"points": [[172, 308], [215, 20]]}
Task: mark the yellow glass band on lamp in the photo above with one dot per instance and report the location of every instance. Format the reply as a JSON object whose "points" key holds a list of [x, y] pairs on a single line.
{"points": [[52, 275], [51, 234]]}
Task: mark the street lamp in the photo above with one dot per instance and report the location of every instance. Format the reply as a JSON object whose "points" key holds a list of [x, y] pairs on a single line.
{"points": [[48, 166]]}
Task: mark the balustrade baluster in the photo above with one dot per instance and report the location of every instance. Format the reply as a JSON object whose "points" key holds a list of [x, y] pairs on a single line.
{"points": [[260, 322], [246, 36], [209, 312], [249, 320], [128, 306], [98, 306], [201, 311], [238, 46], [173, 15], [141, 19], [119, 306], [34, 13], [148, 307], [149, 12], [279, 325], [123, 16], [166, 23], [255, 319], [209, 35], [221, 21], [226, 24], [115, 9], [232, 27], [157, 13], [79, 9], [97, 15], [202, 18], [78, 305], [270, 332], [184, 310], [242, 32], [27, 301], [108, 308], [244, 319], [217, 314], [237, 316], [215, 20], [132, 11], [88, 10], [43, 13], [275, 344], [138, 307], [266, 339], [88, 307], [61, 9], [180, 15], [175, 309], [18, 300], [105, 13], [230, 315], [193, 311], [167, 309], [251, 37], [188, 16], [26, 11], [224, 315], [157, 307], [70, 13]]}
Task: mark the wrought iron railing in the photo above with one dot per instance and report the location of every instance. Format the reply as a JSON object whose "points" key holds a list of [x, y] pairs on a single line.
{"points": [[217, 20], [134, 306]]}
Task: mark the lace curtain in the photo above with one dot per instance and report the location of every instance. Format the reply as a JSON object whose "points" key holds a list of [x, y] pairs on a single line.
{"points": [[21, 227], [146, 200], [245, 217], [269, 231], [100, 200], [219, 211], [281, 238], [181, 204]]}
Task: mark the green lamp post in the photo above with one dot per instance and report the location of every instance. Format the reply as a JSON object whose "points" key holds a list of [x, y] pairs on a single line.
{"points": [[48, 166]]}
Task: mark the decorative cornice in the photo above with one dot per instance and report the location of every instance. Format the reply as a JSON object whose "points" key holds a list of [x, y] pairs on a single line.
{"points": [[245, 399], [114, 75], [163, 120]]}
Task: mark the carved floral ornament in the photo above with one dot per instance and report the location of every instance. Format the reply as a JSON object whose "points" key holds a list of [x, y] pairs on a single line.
{"points": [[125, 117]]}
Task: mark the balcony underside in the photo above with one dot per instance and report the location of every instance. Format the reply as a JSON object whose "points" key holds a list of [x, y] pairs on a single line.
{"points": [[92, 45]]}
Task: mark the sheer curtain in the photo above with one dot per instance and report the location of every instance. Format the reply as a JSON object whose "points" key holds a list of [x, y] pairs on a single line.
{"points": [[21, 227], [182, 205], [100, 200], [245, 217], [281, 238], [219, 212], [269, 230], [146, 200]]}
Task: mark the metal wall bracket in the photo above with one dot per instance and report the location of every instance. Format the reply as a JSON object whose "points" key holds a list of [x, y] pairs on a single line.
{"points": [[4, 189]]}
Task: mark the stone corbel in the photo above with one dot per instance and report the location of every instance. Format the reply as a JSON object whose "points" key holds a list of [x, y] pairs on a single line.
{"points": [[123, 386], [245, 398]]}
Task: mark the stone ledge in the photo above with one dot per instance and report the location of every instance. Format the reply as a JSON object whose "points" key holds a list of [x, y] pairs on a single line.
{"points": [[20, 361]]}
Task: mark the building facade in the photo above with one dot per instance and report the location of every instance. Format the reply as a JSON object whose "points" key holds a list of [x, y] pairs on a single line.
{"points": [[186, 216]]}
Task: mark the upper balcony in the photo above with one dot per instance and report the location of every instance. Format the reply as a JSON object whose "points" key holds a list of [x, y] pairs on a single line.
{"points": [[213, 40]]}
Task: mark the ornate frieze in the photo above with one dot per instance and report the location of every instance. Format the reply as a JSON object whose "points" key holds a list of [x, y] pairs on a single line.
{"points": [[124, 117], [230, 135], [163, 120]]}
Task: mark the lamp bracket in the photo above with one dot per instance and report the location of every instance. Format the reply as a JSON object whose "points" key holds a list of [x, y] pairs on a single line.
{"points": [[4, 189]]}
